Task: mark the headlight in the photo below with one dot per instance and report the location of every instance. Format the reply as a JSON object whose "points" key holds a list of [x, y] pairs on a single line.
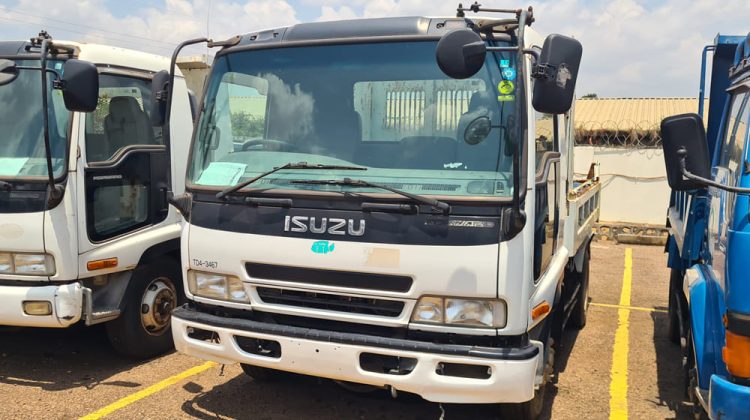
{"points": [[489, 313], [217, 286], [6, 263], [36, 264]]}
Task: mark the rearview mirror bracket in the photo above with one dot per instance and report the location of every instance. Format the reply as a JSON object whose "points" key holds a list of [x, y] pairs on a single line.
{"points": [[682, 153]]}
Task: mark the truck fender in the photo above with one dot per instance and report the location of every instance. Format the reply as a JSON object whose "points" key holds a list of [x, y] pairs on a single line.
{"points": [[110, 294], [705, 322]]}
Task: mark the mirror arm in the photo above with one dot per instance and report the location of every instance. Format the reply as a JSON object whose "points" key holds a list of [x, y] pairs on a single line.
{"points": [[687, 174], [517, 219], [55, 191]]}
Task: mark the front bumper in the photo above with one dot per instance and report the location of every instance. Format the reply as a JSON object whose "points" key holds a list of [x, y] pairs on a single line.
{"points": [[66, 300], [335, 355], [728, 400]]}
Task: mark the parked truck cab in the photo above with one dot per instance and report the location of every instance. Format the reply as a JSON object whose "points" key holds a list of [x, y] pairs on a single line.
{"points": [[86, 234], [709, 243], [378, 202]]}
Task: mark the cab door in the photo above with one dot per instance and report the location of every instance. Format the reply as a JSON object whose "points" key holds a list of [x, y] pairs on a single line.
{"points": [[729, 167], [126, 169]]}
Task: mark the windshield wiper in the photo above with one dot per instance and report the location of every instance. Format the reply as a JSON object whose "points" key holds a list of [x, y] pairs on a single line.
{"points": [[290, 165], [5, 186], [437, 204]]}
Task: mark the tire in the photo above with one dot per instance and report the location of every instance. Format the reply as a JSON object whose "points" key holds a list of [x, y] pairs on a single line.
{"points": [[261, 374], [673, 328], [532, 409], [578, 314], [143, 329]]}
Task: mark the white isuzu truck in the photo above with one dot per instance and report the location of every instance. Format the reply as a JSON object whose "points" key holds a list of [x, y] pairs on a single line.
{"points": [[86, 233], [389, 203]]}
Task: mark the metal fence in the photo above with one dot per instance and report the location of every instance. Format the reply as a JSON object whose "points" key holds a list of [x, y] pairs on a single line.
{"points": [[621, 134]]}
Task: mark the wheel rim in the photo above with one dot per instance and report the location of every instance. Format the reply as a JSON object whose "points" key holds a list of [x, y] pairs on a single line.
{"points": [[157, 303]]}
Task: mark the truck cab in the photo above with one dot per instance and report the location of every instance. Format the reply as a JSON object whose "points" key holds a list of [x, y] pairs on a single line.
{"points": [[86, 234], [378, 202], [707, 167]]}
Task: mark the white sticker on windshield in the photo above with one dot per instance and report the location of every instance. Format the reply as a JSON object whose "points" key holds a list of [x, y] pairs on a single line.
{"points": [[221, 173], [12, 166]]}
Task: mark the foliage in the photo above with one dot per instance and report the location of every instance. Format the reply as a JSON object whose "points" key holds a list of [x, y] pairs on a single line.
{"points": [[246, 125]]}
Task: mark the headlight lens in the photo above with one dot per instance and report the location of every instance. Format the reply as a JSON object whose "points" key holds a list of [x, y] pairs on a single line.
{"points": [[32, 264], [217, 286], [490, 313], [6, 263]]}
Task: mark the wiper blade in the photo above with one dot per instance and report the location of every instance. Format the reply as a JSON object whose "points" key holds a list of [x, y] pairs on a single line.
{"points": [[290, 165], [437, 204]]}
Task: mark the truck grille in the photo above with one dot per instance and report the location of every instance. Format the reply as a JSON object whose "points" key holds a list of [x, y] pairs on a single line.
{"points": [[338, 303]]}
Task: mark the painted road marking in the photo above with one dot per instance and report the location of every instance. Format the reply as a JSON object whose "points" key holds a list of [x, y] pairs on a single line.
{"points": [[630, 308], [618, 386], [130, 399]]}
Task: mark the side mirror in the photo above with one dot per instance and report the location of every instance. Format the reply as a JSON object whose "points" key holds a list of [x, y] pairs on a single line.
{"points": [[684, 138], [159, 86], [8, 71], [460, 53], [80, 86], [556, 73]]}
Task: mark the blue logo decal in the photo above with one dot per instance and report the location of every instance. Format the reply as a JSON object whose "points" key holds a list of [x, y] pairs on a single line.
{"points": [[322, 247], [504, 63], [509, 73]]}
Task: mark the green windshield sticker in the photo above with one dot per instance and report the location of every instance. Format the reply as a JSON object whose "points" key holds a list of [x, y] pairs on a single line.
{"points": [[506, 98], [322, 247], [506, 87], [12, 166], [222, 173]]}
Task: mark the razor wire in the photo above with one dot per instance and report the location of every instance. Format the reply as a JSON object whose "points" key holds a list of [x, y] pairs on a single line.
{"points": [[624, 134]]}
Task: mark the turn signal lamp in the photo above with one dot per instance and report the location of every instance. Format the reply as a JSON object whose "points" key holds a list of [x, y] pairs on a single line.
{"points": [[736, 354], [100, 264], [539, 310]]}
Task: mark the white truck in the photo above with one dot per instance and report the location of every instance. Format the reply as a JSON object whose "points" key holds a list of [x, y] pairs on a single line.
{"points": [[86, 233], [389, 203]]}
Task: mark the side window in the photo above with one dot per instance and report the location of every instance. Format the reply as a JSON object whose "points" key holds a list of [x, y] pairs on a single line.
{"points": [[735, 134], [546, 137], [547, 192], [121, 118]]}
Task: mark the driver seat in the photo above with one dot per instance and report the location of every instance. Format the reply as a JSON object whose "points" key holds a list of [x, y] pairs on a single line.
{"points": [[126, 124]]}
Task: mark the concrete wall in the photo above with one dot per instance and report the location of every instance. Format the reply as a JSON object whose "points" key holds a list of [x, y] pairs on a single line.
{"points": [[634, 185]]}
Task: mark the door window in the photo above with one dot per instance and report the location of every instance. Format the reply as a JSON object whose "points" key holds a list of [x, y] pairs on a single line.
{"points": [[121, 118], [729, 168], [547, 191], [119, 188]]}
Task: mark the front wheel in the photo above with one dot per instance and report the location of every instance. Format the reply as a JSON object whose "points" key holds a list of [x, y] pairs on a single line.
{"points": [[675, 285], [578, 314], [143, 329], [532, 409]]}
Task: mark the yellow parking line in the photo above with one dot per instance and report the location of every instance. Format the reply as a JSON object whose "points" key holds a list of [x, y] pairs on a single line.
{"points": [[618, 386], [124, 402], [630, 308]]}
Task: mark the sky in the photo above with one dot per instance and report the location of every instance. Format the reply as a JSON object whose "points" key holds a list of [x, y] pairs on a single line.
{"points": [[632, 48]]}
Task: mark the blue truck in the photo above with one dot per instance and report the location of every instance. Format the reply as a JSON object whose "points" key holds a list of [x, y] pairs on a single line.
{"points": [[708, 170]]}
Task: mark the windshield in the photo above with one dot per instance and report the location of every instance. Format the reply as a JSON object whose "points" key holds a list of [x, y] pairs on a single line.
{"points": [[383, 106], [22, 150]]}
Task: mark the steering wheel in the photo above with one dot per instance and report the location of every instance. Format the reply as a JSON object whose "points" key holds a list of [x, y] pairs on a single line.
{"points": [[270, 145]]}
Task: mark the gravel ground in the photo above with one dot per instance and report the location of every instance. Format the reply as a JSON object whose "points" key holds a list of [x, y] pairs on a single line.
{"points": [[70, 373]]}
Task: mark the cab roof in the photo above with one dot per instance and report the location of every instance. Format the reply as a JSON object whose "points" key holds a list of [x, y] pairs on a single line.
{"points": [[101, 55], [362, 29]]}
